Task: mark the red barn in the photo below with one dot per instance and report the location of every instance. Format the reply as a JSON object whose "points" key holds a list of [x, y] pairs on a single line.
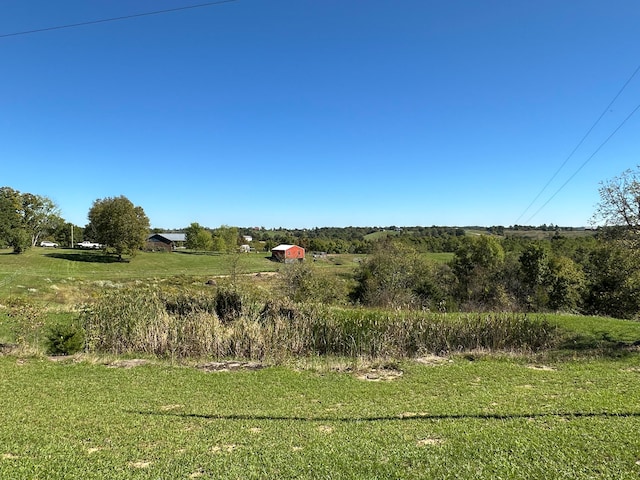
{"points": [[287, 253]]}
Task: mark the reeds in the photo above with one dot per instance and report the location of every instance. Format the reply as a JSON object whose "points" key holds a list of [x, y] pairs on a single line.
{"points": [[146, 321]]}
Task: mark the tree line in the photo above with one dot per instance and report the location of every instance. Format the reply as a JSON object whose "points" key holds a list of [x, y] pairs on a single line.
{"points": [[597, 274]]}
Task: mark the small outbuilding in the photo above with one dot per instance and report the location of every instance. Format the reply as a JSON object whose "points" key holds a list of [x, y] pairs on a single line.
{"points": [[165, 241], [287, 253]]}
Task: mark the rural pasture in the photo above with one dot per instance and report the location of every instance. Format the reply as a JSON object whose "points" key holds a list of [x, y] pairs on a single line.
{"points": [[569, 410]]}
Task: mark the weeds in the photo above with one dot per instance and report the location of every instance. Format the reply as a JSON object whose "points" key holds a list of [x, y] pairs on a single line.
{"points": [[144, 321]]}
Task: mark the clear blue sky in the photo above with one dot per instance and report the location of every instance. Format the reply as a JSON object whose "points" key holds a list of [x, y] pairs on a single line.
{"points": [[301, 113]]}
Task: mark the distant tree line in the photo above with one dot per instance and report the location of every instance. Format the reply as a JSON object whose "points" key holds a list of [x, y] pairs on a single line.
{"points": [[589, 275]]}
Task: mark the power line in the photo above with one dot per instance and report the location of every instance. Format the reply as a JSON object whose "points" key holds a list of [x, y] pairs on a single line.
{"points": [[577, 146], [115, 19], [585, 162]]}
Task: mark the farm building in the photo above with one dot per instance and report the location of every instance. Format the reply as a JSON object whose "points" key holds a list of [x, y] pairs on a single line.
{"points": [[165, 241], [287, 253]]}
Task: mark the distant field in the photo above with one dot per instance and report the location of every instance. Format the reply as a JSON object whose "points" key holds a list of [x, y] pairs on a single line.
{"points": [[41, 272], [64, 276]]}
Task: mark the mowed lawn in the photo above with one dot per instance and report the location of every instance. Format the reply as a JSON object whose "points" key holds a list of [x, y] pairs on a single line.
{"points": [[453, 418]]}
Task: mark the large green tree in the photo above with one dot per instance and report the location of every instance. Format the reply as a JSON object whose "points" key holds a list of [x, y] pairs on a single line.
{"points": [[225, 239], [395, 275], [478, 265], [118, 224], [25, 218], [40, 216], [198, 237]]}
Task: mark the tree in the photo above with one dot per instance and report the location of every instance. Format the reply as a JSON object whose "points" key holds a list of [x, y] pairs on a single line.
{"points": [[40, 216], [67, 234], [25, 217], [478, 265], [620, 202], [9, 215], [395, 275], [534, 267], [566, 282], [198, 237], [613, 281], [225, 239], [118, 225]]}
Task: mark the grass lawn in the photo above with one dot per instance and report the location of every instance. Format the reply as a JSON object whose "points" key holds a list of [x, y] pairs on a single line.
{"points": [[488, 418], [63, 276]]}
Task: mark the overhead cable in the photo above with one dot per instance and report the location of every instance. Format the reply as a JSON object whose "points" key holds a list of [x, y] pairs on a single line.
{"points": [[577, 146], [585, 162], [115, 19]]}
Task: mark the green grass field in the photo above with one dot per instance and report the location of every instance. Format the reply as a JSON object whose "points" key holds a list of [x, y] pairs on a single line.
{"points": [[488, 418], [572, 412], [62, 275]]}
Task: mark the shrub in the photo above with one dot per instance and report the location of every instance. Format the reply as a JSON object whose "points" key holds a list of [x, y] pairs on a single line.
{"points": [[64, 339], [228, 304]]}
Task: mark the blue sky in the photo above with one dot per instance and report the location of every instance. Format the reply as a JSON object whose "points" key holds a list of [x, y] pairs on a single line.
{"points": [[300, 113]]}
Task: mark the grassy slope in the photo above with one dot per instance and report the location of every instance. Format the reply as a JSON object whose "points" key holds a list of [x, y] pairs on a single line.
{"points": [[482, 419]]}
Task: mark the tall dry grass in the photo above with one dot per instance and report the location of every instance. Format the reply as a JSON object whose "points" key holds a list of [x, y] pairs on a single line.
{"points": [[147, 321]]}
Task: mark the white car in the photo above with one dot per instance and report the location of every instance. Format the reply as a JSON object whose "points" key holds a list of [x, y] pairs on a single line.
{"points": [[89, 245], [49, 244]]}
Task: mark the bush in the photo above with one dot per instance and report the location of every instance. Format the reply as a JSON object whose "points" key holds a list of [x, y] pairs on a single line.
{"points": [[228, 305], [65, 339]]}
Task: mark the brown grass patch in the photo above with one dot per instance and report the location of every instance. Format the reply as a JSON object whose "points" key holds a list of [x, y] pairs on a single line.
{"points": [[229, 366], [223, 448], [433, 360], [429, 441], [380, 375], [129, 363], [543, 368]]}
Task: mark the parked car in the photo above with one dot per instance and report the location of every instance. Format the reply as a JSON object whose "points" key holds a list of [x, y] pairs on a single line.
{"points": [[89, 245], [49, 244]]}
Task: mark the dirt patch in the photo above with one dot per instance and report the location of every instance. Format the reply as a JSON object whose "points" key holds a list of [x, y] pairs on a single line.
{"points": [[429, 441], [543, 368], [6, 348], [380, 375], [140, 464], [223, 448], [130, 363], [9, 456], [229, 366], [433, 360], [166, 408], [325, 428]]}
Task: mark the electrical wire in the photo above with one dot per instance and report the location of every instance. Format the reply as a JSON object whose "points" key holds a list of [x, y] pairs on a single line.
{"points": [[577, 146], [115, 19], [585, 162]]}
